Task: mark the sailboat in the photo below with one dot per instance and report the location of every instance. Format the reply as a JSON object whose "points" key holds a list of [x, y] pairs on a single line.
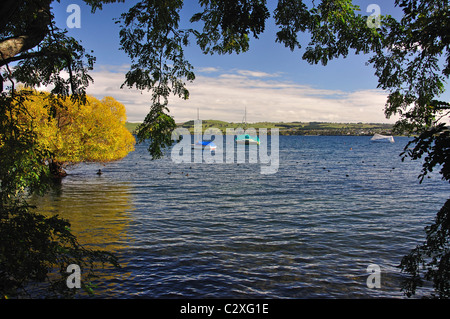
{"points": [[382, 138], [204, 145], [247, 138]]}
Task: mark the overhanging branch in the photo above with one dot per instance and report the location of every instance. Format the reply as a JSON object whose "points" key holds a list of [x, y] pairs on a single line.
{"points": [[11, 47], [25, 56]]}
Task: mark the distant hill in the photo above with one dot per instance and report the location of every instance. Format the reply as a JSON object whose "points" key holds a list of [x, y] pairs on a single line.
{"points": [[131, 126], [294, 128]]}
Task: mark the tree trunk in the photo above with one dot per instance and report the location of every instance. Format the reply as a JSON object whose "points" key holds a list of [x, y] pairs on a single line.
{"points": [[56, 169]]}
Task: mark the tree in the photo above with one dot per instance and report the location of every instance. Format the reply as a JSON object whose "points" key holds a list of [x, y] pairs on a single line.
{"points": [[92, 132]]}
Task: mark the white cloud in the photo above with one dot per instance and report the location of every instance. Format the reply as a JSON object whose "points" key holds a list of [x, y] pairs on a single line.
{"points": [[208, 69], [265, 96], [256, 74]]}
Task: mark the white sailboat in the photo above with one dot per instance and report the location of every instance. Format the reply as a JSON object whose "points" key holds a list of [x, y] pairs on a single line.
{"points": [[204, 145], [382, 138]]}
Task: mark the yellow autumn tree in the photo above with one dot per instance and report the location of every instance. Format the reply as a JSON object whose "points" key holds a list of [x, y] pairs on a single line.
{"points": [[93, 131]]}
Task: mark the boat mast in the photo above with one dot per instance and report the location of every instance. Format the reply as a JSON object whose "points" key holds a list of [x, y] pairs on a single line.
{"points": [[245, 115]]}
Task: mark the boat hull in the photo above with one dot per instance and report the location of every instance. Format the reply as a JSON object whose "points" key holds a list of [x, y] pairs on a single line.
{"points": [[247, 142], [210, 147]]}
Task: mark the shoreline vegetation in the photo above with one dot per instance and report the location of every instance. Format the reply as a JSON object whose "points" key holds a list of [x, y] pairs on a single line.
{"points": [[293, 128]]}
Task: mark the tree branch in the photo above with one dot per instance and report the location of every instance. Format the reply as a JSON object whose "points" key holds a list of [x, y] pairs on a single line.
{"points": [[33, 33], [11, 47], [25, 56]]}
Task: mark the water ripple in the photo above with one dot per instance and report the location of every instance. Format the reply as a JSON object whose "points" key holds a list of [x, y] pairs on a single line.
{"points": [[336, 205]]}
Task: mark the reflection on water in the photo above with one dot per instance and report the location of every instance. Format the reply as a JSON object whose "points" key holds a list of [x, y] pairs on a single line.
{"points": [[99, 211], [97, 208]]}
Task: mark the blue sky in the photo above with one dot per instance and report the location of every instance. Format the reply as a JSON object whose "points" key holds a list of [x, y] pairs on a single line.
{"points": [[269, 80]]}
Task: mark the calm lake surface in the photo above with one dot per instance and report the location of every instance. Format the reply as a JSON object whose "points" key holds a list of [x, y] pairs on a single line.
{"points": [[335, 206]]}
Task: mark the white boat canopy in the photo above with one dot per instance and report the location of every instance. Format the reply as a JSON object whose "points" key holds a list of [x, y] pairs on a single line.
{"points": [[382, 138]]}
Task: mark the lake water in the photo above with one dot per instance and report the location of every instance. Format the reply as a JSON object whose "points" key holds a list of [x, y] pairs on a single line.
{"points": [[335, 206]]}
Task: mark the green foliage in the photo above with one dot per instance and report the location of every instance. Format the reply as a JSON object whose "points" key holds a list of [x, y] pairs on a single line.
{"points": [[41, 51], [227, 24], [434, 145], [37, 249], [150, 36], [157, 127], [411, 68], [431, 260], [333, 27]]}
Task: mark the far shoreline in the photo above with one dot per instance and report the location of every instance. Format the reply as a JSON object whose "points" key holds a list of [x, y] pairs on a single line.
{"points": [[294, 128]]}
